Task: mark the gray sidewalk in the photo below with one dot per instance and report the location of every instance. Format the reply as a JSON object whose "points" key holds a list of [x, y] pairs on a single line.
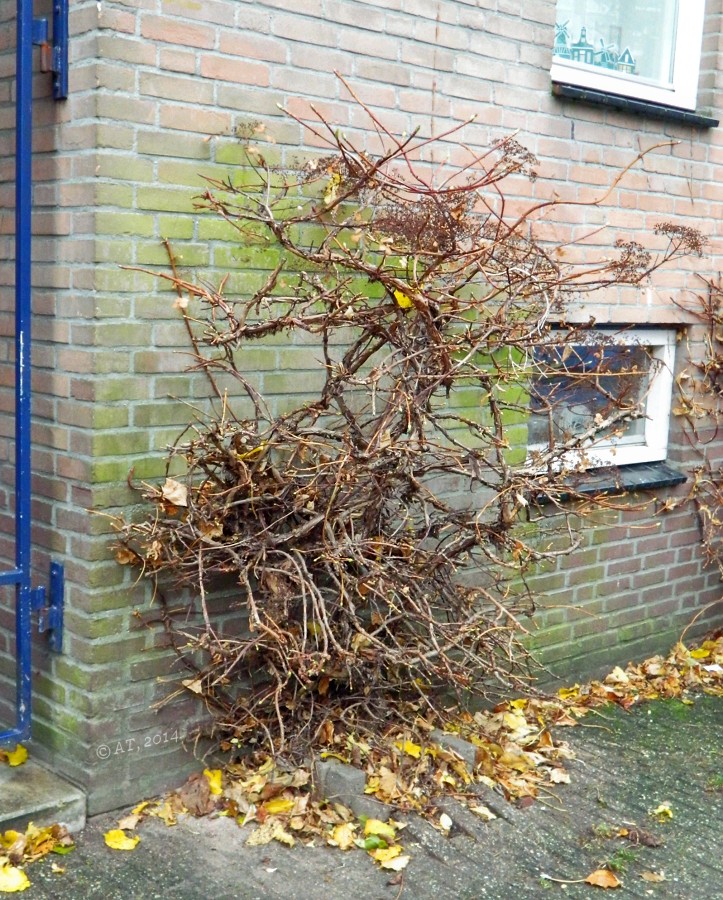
{"points": [[627, 765]]}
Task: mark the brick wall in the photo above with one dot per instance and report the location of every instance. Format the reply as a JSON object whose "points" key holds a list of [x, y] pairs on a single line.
{"points": [[160, 92]]}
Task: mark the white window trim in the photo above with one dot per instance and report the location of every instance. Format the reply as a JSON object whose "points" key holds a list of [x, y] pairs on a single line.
{"points": [[658, 401], [682, 93]]}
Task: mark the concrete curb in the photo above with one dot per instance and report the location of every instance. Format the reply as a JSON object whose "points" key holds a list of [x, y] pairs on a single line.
{"points": [[339, 782]]}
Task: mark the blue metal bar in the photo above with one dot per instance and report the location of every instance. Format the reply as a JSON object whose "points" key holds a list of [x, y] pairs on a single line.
{"points": [[23, 311], [60, 49], [29, 31], [11, 576]]}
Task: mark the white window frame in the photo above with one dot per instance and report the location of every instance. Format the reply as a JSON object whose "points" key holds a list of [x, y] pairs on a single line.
{"points": [[653, 447], [682, 93]]}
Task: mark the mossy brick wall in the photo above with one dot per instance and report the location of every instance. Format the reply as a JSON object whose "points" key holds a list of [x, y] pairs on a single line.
{"points": [[159, 91]]}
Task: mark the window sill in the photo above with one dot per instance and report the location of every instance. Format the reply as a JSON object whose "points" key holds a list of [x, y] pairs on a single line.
{"points": [[628, 104], [643, 476]]}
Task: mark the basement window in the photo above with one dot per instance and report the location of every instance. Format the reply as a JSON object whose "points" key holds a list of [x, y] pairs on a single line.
{"points": [[602, 400], [641, 49]]}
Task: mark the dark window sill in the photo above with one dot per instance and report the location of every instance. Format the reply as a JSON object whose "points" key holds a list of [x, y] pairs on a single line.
{"points": [[628, 104], [640, 477]]}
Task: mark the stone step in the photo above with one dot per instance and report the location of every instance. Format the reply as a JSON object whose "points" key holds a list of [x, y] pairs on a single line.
{"points": [[32, 793]]}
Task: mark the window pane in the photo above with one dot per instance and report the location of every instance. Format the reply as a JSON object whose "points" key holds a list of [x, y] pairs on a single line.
{"points": [[629, 38], [594, 383]]}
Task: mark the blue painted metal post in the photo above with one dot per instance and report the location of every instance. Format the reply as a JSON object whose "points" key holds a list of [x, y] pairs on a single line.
{"points": [[23, 312], [27, 599]]}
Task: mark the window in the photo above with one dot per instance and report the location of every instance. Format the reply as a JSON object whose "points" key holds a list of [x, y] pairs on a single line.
{"points": [[643, 49], [604, 399]]}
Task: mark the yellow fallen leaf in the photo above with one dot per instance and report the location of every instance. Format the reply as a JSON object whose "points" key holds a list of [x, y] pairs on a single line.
{"points": [[570, 693], [520, 703], [372, 785], [413, 750], [17, 756], [9, 838], [262, 835], [662, 812], [700, 653], [56, 869], [283, 837], [12, 880], [164, 811], [270, 831], [381, 829], [603, 878], [403, 301], [343, 836], [279, 805], [384, 854], [214, 777], [119, 840]]}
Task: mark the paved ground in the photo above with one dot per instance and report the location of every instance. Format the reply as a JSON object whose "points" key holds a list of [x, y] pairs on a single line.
{"points": [[628, 764]]}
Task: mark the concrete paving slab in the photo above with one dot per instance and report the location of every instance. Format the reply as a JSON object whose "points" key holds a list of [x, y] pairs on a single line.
{"points": [[31, 793]]}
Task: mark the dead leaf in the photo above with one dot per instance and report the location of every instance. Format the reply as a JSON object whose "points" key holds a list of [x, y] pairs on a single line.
{"points": [[283, 837], [388, 784], [167, 811], [559, 776], [193, 684], [119, 840], [129, 822], [662, 812], [640, 836], [603, 878], [279, 805], [385, 854], [617, 676], [379, 828], [411, 749], [16, 850], [271, 830], [653, 877], [343, 836], [125, 556], [396, 864], [12, 880], [483, 812], [196, 795], [15, 757], [215, 779], [174, 492]]}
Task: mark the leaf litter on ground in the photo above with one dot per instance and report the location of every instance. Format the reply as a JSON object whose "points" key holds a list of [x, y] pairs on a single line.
{"points": [[517, 755], [19, 848]]}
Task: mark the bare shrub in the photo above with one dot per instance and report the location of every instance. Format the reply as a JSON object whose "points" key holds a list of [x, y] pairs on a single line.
{"points": [[379, 534]]}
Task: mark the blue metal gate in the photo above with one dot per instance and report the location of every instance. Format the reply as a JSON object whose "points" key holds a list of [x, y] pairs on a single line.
{"points": [[47, 604]]}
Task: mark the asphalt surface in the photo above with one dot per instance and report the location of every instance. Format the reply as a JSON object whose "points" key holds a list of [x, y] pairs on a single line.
{"points": [[628, 764]]}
